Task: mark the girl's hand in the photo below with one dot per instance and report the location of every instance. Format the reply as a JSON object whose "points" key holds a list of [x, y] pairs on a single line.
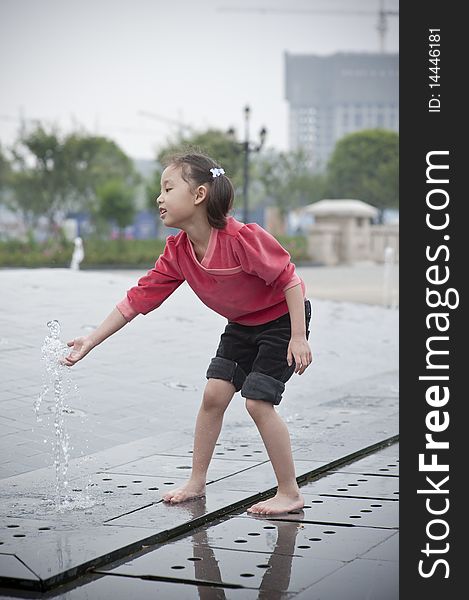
{"points": [[300, 352], [80, 348]]}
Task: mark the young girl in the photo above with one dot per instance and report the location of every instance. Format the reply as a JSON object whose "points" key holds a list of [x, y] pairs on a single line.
{"points": [[244, 274]]}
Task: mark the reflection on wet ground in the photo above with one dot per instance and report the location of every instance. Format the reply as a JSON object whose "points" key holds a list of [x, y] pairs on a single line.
{"points": [[350, 518]]}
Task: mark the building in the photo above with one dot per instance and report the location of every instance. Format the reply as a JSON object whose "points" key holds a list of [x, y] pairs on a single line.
{"points": [[343, 233], [331, 96]]}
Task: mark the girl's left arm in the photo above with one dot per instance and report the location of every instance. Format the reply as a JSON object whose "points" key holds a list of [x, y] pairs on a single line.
{"points": [[298, 348]]}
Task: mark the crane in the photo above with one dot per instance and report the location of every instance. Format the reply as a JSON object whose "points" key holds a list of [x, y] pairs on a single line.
{"points": [[180, 124], [382, 24]]}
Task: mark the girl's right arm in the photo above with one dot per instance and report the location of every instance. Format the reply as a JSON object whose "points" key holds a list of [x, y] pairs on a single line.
{"points": [[82, 345]]}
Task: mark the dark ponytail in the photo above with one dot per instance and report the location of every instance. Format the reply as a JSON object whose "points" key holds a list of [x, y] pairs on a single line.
{"points": [[195, 169]]}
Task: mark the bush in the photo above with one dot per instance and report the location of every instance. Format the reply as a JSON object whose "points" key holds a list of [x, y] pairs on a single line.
{"points": [[108, 253], [296, 246], [122, 253], [53, 253], [98, 253]]}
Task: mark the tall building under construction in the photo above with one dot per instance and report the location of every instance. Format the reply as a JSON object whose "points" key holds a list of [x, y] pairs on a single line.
{"points": [[331, 96]]}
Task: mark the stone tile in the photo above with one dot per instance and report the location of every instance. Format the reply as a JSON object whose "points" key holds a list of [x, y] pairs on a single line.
{"points": [[163, 516], [387, 550], [56, 554], [12, 569], [353, 484], [261, 478], [254, 534], [384, 464], [230, 567], [346, 511], [104, 587], [179, 467], [357, 580], [239, 449]]}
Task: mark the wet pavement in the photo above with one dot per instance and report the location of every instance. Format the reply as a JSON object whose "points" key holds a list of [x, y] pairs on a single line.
{"points": [[131, 421]]}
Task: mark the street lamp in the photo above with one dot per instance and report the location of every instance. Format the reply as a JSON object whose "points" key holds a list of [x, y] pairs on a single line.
{"points": [[247, 148]]}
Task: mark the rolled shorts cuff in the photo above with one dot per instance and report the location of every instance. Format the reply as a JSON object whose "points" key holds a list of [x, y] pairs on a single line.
{"points": [[262, 387], [228, 370]]}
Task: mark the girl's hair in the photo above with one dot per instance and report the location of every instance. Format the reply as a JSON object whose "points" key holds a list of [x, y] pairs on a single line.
{"points": [[195, 169]]}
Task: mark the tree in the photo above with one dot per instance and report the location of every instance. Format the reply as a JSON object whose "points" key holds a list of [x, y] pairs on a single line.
{"points": [[365, 166], [55, 174], [116, 203], [288, 181], [91, 162], [219, 145], [5, 170], [39, 181]]}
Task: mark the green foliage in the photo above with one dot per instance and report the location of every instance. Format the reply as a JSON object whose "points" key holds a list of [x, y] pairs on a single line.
{"points": [[153, 188], [108, 253], [5, 170], [93, 161], [53, 174], [56, 252], [98, 253], [296, 246], [39, 181], [365, 166], [122, 253], [217, 144], [116, 203], [287, 180]]}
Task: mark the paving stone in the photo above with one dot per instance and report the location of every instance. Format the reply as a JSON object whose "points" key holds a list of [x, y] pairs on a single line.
{"points": [[261, 478], [105, 587], [387, 550], [353, 484], [346, 511], [230, 450], [384, 464], [215, 565], [180, 467], [357, 580], [164, 516], [351, 401], [11, 568], [291, 538], [55, 553], [330, 450]]}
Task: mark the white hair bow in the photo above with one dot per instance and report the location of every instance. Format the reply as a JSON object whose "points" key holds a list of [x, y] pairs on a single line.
{"points": [[217, 172]]}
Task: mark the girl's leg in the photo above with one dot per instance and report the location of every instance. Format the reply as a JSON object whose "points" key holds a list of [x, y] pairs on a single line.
{"points": [[217, 395], [276, 439]]}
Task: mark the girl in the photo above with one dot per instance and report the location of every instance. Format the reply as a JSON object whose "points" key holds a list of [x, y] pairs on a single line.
{"points": [[244, 274]]}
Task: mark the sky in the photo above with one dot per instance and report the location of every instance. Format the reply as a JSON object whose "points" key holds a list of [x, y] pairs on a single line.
{"points": [[97, 65]]}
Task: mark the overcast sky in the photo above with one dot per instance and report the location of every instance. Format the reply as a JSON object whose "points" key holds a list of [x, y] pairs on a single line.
{"points": [[97, 63]]}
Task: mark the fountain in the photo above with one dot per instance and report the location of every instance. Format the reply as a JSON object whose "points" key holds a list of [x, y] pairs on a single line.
{"points": [[58, 382], [78, 254], [389, 291]]}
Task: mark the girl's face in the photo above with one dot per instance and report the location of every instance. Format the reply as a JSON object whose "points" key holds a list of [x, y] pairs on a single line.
{"points": [[177, 201]]}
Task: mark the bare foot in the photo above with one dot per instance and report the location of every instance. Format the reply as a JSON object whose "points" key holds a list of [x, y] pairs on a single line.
{"points": [[189, 491], [280, 503]]}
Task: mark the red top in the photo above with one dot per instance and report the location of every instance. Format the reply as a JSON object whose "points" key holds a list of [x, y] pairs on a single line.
{"points": [[243, 275]]}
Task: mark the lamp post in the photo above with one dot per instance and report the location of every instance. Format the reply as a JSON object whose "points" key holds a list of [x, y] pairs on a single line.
{"points": [[247, 148]]}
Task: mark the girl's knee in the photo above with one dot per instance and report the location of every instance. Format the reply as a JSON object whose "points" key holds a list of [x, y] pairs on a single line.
{"points": [[217, 395], [258, 408]]}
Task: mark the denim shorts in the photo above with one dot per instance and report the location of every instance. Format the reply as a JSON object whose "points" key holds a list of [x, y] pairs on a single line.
{"points": [[254, 358]]}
